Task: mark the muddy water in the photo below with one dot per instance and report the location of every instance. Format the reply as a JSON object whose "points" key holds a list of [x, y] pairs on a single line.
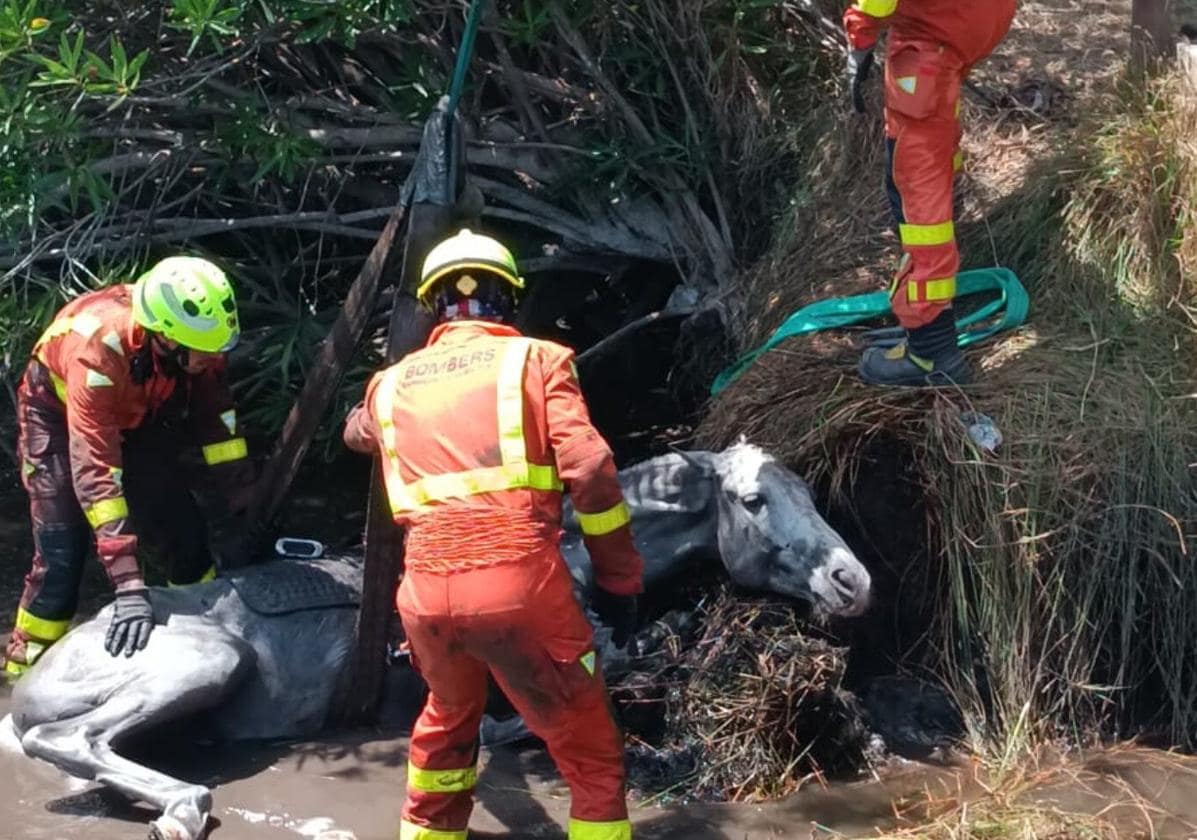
{"points": [[354, 783]]}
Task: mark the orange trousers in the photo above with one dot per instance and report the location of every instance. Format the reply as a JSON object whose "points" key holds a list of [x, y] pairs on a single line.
{"points": [[922, 128], [520, 623]]}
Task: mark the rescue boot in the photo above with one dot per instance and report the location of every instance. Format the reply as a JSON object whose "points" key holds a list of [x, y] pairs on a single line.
{"points": [[928, 356]]}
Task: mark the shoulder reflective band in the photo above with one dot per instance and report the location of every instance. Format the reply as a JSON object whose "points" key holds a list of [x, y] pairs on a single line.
{"points": [[43, 629], [931, 291], [585, 830], [411, 831], [877, 8], [919, 235], [597, 524], [441, 781], [222, 453], [82, 324], [109, 510], [515, 472]]}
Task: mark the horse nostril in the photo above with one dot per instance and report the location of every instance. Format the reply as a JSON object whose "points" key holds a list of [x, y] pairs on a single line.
{"points": [[844, 580]]}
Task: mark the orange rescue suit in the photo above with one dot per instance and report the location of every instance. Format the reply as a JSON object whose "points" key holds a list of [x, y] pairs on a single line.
{"points": [[480, 432], [933, 44]]}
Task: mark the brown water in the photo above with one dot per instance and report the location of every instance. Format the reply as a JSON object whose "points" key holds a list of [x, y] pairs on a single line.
{"points": [[355, 784]]}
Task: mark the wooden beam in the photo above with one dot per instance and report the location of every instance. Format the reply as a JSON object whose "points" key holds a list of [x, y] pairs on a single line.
{"points": [[333, 358]]}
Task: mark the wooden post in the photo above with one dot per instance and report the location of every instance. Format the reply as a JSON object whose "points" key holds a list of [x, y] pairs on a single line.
{"points": [[435, 183], [1151, 35], [330, 364]]}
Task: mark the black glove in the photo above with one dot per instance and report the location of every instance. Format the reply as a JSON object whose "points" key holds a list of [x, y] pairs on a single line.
{"points": [[860, 64], [132, 621], [619, 612]]}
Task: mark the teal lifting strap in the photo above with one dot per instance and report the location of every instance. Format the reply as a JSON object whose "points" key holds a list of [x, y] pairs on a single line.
{"points": [[1011, 307], [464, 53]]}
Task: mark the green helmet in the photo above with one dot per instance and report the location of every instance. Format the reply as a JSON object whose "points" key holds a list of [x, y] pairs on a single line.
{"points": [[188, 300], [467, 250]]}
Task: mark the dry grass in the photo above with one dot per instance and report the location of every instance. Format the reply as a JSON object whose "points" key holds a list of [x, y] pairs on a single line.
{"points": [[1057, 569], [754, 703]]}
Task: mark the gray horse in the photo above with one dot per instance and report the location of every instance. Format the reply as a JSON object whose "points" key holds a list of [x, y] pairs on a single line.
{"points": [[262, 652]]}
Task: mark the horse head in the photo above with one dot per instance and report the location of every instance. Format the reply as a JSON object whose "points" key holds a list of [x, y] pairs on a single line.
{"points": [[772, 538]]}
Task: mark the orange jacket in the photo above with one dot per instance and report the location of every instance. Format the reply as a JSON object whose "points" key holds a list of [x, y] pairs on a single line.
{"points": [[971, 27], [480, 432], [88, 352]]}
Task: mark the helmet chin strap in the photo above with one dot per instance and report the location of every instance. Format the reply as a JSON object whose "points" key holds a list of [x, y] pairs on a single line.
{"points": [[174, 359]]}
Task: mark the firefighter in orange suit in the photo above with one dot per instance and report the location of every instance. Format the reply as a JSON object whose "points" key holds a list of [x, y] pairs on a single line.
{"points": [[933, 44], [122, 379], [479, 433]]}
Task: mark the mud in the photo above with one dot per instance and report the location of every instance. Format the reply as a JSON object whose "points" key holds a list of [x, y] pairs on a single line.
{"points": [[354, 783]]}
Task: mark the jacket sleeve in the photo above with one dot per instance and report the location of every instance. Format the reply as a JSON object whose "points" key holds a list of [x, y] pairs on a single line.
{"points": [[217, 431], [97, 466], [864, 20], [587, 467], [361, 433]]}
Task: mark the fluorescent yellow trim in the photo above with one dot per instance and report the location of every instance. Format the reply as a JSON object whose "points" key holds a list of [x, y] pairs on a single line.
{"points": [[441, 781], [583, 830], [491, 268], [108, 510], [514, 473], [411, 831], [510, 412], [877, 8], [60, 387], [597, 524], [934, 290], [204, 578], [222, 453], [940, 234], [44, 629], [957, 161], [14, 669]]}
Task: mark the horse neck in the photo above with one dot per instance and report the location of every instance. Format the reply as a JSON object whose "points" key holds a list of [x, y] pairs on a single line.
{"points": [[674, 518]]}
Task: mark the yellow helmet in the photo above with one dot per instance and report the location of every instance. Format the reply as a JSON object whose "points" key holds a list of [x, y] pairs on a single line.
{"points": [[467, 250]]}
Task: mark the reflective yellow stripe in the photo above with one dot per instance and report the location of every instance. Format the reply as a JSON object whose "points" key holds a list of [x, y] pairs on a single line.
{"points": [[583, 830], [204, 578], [933, 290], [109, 510], [877, 8], [957, 161], [60, 387], [14, 669], [222, 453], [940, 234], [515, 472], [511, 403], [441, 781], [41, 628], [411, 831], [597, 524]]}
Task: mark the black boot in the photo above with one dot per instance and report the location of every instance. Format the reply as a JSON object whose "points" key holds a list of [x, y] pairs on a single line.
{"points": [[929, 356]]}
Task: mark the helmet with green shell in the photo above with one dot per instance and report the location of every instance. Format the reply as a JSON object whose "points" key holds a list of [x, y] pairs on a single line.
{"points": [[190, 301]]}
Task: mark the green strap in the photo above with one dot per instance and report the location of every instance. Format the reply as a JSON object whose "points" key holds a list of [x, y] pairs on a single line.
{"points": [[464, 53], [1010, 308]]}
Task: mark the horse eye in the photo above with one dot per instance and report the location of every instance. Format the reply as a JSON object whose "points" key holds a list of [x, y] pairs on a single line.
{"points": [[753, 502]]}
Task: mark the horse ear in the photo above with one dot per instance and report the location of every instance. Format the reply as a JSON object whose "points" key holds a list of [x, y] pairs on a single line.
{"points": [[703, 465]]}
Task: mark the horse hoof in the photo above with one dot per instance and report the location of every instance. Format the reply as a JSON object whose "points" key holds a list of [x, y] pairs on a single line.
{"points": [[168, 828]]}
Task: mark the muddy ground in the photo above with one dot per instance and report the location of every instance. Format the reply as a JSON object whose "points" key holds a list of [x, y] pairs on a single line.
{"points": [[354, 783]]}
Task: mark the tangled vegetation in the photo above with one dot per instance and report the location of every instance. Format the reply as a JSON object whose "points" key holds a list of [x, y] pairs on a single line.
{"points": [[275, 136]]}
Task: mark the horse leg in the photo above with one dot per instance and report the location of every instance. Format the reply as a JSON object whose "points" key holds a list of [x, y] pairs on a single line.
{"points": [[81, 745]]}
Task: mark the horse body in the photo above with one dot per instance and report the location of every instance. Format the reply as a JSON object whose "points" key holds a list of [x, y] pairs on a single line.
{"points": [[262, 651]]}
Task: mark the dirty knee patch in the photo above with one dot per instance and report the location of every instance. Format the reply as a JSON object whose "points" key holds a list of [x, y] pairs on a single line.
{"points": [[289, 586]]}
